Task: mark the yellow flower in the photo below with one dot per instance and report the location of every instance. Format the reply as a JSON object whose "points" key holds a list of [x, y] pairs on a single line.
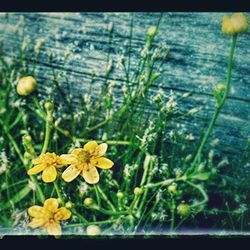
{"points": [[26, 85], [235, 24], [83, 161], [49, 216], [46, 163]]}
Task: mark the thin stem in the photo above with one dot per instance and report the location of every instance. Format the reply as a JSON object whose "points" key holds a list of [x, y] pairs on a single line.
{"points": [[79, 216], [172, 211], [58, 192], [218, 109], [18, 151], [105, 198], [202, 191], [97, 196], [47, 135], [91, 223], [108, 142], [43, 113]]}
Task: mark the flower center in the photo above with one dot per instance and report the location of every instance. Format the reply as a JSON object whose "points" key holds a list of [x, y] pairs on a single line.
{"points": [[86, 157]]}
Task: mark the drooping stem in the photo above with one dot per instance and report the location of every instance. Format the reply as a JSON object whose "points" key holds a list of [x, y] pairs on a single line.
{"points": [[221, 104], [202, 191]]}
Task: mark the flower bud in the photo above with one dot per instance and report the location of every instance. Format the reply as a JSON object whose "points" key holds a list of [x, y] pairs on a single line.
{"points": [[66, 132], [26, 85], [93, 230], [59, 200], [27, 156], [138, 191], [88, 201], [68, 204], [188, 158], [119, 194], [220, 87], [27, 139], [235, 24], [183, 210], [172, 188], [152, 31], [49, 106]]}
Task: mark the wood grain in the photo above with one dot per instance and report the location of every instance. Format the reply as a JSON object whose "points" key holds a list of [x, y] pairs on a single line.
{"points": [[196, 63]]}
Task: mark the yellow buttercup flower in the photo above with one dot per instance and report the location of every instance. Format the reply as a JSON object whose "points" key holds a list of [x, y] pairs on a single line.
{"points": [[49, 216], [83, 161], [235, 24], [47, 164]]}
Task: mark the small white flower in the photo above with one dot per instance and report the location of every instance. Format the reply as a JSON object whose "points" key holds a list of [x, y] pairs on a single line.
{"points": [[193, 111], [189, 137]]}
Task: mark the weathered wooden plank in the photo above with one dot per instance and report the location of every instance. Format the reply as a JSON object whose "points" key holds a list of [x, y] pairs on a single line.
{"points": [[197, 60]]}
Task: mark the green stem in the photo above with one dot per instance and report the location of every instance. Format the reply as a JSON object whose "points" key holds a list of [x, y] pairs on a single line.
{"points": [[108, 142], [47, 135], [98, 188], [202, 191], [43, 113], [59, 192], [172, 211], [82, 219], [18, 151], [218, 109], [91, 223], [160, 183], [97, 196]]}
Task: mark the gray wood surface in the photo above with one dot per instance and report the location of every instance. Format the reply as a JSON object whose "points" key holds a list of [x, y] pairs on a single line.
{"points": [[197, 60]]}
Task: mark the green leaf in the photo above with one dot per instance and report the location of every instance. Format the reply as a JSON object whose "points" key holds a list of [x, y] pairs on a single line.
{"points": [[201, 176], [16, 198]]}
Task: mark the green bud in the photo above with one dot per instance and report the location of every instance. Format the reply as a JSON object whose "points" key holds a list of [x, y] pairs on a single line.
{"points": [[88, 202], [27, 139], [120, 194], [152, 31], [49, 106], [138, 191], [68, 204], [184, 210], [172, 188]]}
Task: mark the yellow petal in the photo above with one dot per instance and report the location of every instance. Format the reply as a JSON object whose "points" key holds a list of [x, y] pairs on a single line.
{"points": [[104, 163], [90, 146], [36, 160], [64, 213], [70, 173], [77, 151], [49, 174], [37, 169], [90, 175], [54, 228], [35, 211], [36, 222], [101, 149], [66, 159], [51, 204]]}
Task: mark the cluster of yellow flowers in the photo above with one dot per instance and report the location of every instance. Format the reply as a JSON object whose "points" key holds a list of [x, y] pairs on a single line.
{"points": [[81, 161]]}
